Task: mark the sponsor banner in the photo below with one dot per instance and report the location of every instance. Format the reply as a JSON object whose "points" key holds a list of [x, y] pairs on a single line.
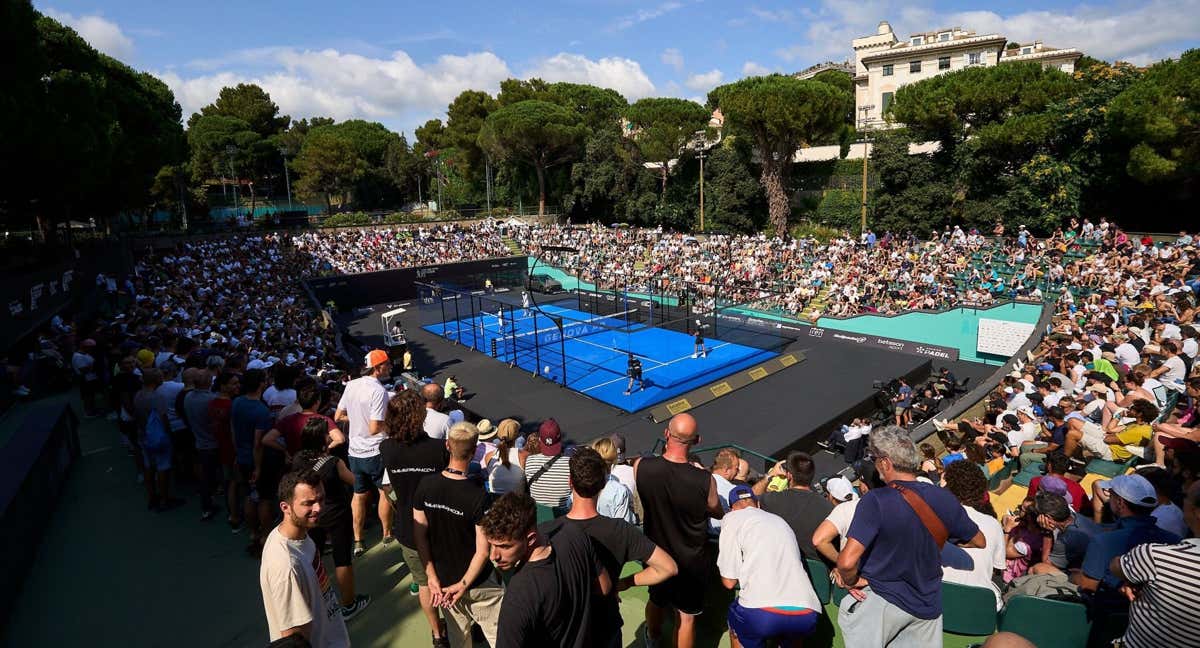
{"points": [[891, 344]]}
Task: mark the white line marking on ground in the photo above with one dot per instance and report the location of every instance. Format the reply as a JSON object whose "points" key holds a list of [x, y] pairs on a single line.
{"points": [[669, 362]]}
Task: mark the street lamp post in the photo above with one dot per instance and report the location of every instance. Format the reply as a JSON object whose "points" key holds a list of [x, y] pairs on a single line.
{"points": [[283, 151], [701, 156], [230, 151], [866, 111]]}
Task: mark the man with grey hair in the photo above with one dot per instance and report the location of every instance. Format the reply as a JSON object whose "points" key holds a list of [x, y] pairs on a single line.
{"points": [[891, 559]]}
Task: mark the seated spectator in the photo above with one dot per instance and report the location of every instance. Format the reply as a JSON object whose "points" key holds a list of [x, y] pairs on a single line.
{"points": [[976, 567], [1122, 439], [1072, 533], [1056, 465]]}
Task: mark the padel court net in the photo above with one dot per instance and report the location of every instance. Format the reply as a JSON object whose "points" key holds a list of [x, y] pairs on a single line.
{"points": [[584, 341]]}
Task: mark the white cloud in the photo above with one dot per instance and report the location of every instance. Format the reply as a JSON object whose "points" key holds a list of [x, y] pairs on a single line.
{"points": [[642, 15], [621, 74], [705, 80], [394, 90], [750, 68], [101, 33], [1140, 33], [672, 57]]}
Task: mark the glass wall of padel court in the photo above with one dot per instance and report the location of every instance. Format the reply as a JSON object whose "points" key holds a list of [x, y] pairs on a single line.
{"points": [[587, 340]]}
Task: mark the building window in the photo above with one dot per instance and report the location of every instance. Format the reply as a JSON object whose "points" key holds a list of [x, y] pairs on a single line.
{"points": [[974, 58], [887, 69], [914, 67], [944, 36], [1026, 50], [887, 101], [917, 40], [943, 62]]}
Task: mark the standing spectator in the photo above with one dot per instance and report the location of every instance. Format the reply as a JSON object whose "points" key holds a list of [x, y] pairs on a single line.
{"points": [[150, 409], [801, 507], [896, 539], [776, 598], [902, 402], [615, 540], [844, 498], [547, 474], [282, 392], [623, 470], [615, 500], [557, 586], [505, 465], [84, 363], [447, 511], [678, 498], [364, 407], [297, 593], [975, 567], [220, 412], [196, 413], [724, 468], [410, 455], [334, 521], [124, 387], [1164, 583], [437, 423], [251, 420]]}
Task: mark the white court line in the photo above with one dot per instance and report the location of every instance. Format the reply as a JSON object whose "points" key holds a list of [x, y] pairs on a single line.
{"points": [[669, 362]]}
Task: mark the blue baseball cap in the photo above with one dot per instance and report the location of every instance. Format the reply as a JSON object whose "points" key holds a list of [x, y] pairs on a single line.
{"points": [[741, 492]]}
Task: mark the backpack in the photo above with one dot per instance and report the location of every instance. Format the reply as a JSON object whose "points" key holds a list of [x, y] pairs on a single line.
{"points": [[1055, 587], [156, 437]]}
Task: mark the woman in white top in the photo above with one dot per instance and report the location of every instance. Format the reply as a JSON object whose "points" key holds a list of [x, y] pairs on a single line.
{"points": [[505, 465]]}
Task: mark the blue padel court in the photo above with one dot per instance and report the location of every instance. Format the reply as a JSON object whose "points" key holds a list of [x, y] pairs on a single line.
{"points": [[589, 353]]}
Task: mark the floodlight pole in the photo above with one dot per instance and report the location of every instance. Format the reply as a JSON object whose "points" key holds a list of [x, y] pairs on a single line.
{"points": [[283, 151], [865, 110], [537, 307]]}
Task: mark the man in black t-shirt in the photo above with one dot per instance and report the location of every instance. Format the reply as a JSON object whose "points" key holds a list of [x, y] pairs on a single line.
{"points": [[635, 374], [410, 455], [557, 585], [801, 507], [678, 499], [615, 541], [447, 509]]}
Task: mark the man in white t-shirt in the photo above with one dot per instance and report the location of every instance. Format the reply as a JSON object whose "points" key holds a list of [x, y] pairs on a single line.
{"points": [[759, 554], [844, 497], [298, 595], [1172, 371], [1126, 353], [973, 567], [364, 407], [437, 424]]}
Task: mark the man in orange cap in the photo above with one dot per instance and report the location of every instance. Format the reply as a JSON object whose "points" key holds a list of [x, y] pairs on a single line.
{"points": [[364, 407]]}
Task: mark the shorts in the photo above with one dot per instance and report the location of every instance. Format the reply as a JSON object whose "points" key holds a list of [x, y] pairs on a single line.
{"points": [[340, 532], [368, 473], [413, 559], [900, 409], [754, 626], [158, 460], [683, 592]]}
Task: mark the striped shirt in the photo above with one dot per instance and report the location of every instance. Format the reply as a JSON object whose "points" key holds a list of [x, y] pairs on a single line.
{"points": [[553, 487], [1164, 614]]}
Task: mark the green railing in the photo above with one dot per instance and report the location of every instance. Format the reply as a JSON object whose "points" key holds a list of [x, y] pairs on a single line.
{"points": [[746, 453]]}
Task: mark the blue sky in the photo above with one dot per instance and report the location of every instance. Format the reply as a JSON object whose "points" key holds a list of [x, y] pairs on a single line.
{"points": [[400, 63]]}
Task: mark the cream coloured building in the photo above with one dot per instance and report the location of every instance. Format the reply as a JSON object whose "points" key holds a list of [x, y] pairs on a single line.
{"points": [[883, 63]]}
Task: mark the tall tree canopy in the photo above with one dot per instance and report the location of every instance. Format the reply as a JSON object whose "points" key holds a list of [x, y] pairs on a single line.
{"points": [[1158, 121], [780, 114], [538, 133], [662, 126]]}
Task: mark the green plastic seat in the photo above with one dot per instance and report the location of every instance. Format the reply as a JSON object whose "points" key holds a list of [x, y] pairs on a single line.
{"points": [[819, 574], [1027, 474], [968, 610], [1111, 469], [1044, 622]]}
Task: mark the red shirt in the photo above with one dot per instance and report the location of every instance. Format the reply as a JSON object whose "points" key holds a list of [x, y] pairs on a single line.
{"points": [[219, 410], [292, 425], [1079, 498]]}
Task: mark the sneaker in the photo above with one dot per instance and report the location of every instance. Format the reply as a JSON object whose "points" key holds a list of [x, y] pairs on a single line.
{"points": [[441, 642], [359, 549], [646, 640], [413, 589], [388, 539], [207, 515], [235, 527], [21, 390], [627, 392], [360, 603], [694, 356]]}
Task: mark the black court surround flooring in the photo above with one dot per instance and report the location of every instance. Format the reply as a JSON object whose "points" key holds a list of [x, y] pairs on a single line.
{"points": [[767, 416]]}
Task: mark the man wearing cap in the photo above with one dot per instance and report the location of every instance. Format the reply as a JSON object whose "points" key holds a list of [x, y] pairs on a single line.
{"points": [[1132, 500], [844, 498], [364, 407], [776, 598], [1164, 580], [547, 474]]}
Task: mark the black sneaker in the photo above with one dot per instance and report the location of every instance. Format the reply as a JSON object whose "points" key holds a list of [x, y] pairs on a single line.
{"points": [[388, 539], [207, 515], [441, 642], [360, 603]]}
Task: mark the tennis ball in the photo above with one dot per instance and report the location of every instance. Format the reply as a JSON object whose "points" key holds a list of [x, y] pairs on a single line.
{"points": [[547, 370]]}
